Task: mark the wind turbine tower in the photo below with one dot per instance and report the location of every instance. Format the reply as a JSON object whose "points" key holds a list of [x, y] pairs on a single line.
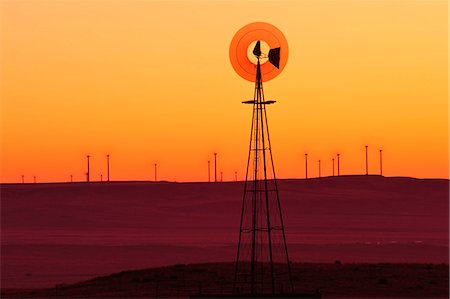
{"points": [[306, 166], [215, 167], [319, 168], [381, 162], [338, 166], [88, 170], [107, 167], [367, 161]]}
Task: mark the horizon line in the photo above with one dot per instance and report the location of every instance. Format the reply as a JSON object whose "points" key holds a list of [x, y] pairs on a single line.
{"points": [[228, 181]]}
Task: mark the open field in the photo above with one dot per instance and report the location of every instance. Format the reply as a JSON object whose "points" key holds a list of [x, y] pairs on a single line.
{"points": [[65, 233]]}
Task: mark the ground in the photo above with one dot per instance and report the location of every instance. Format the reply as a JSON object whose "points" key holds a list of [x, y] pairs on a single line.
{"points": [[334, 280], [63, 233]]}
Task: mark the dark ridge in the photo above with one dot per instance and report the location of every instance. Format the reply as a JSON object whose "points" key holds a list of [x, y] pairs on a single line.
{"points": [[332, 280], [323, 178]]}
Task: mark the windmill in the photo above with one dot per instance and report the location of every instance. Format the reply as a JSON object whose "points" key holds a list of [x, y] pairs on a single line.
{"points": [[215, 167], [381, 162], [367, 161], [262, 262], [88, 169], [107, 167]]}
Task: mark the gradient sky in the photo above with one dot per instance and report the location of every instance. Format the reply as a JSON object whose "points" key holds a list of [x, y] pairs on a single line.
{"points": [[151, 81]]}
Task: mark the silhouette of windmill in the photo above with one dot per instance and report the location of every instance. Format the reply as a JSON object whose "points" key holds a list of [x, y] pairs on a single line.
{"points": [[367, 161], [88, 169], [215, 167], [338, 165], [107, 167], [381, 162], [262, 262], [306, 165], [319, 169]]}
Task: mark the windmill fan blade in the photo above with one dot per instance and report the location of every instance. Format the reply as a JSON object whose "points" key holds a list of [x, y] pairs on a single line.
{"points": [[257, 49], [274, 57]]}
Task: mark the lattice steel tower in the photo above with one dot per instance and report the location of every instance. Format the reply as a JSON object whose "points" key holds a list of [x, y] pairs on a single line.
{"points": [[262, 262]]}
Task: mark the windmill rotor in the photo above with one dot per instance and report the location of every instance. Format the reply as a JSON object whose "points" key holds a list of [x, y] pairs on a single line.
{"points": [[259, 32]]}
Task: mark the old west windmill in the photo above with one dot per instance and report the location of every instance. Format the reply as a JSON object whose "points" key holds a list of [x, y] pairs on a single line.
{"points": [[258, 53]]}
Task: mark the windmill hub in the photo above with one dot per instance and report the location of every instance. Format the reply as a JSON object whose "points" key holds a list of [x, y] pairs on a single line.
{"points": [[243, 45], [265, 48]]}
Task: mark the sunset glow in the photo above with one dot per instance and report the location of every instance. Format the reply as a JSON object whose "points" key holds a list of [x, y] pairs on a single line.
{"points": [[151, 82]]}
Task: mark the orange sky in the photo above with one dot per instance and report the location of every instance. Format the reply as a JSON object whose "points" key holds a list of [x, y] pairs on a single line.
{"points": [[151, 81]]}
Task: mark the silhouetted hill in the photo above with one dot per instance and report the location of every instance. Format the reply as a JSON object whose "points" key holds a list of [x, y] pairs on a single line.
{"points": [[331, 280]]}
